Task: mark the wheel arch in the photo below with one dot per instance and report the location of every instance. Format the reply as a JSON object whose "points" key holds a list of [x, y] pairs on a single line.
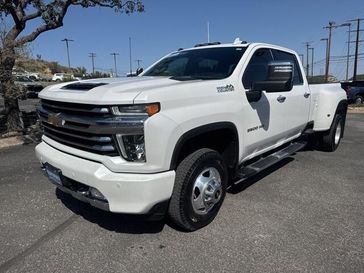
{"points": [[194, 139]]}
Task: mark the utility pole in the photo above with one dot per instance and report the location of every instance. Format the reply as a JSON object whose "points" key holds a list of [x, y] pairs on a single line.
{"points": [[356, 45], [115, 54], [92, 55], [68, 51], [307, 44], [208, 32], [329, 27], [312, 57], [138, 62], [130, 64], [348, 51], [301, 56]]}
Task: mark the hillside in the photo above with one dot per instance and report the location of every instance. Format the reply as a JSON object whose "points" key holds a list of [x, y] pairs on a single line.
{"points": [[44, 68]]}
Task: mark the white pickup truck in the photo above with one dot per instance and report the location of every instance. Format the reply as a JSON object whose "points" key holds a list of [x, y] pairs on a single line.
{"points": [[171, 140]]}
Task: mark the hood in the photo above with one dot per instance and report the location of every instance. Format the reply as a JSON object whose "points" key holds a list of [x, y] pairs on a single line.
{"points": [[105, 91]]}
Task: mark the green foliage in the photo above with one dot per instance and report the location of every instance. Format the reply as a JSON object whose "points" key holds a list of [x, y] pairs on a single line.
{"points": [[50, 15]]}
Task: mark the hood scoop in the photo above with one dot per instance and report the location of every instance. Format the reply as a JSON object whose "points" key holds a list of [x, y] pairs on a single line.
{"points": [[84, 86]]}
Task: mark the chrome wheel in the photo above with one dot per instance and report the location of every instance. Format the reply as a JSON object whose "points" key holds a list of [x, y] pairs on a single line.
{"points": [[338, 133], [206, 191]]}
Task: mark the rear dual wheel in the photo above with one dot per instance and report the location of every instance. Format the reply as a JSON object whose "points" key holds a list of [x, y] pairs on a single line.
{"points": [[330, 140], [199, 189]]}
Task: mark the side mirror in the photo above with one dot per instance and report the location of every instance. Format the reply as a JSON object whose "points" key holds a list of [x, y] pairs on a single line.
{"points": [[279, 79], [139, 71]]}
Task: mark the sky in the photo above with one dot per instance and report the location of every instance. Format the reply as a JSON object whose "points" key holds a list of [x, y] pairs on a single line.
{"points": [[167, 25]]}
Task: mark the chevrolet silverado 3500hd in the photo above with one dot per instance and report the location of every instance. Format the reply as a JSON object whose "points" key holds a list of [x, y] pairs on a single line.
{"points": [[173, 138]]}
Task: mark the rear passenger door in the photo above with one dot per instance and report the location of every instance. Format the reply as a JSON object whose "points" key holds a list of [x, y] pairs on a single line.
{"points": [[297, 102]]}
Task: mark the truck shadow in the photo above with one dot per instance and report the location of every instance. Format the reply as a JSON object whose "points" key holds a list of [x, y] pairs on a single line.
{"points": [[243, 185], [138, 224], [120, 223]]}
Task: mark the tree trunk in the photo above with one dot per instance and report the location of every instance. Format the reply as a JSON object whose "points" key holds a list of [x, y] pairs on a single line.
{"points": [[10, 91]]}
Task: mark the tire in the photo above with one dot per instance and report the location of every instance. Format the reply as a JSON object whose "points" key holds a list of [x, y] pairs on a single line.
{"points": [[359, 100], [330, 139], [196, 200]]}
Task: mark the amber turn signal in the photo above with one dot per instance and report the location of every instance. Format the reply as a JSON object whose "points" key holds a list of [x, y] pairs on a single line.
{"points": [[152, 108]]}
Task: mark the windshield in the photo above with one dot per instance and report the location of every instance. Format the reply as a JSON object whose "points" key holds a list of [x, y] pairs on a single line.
{"points": [[206, 63]]}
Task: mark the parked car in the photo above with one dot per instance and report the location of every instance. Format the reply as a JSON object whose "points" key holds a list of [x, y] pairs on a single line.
{"points": [[354, 91], [59, 77], [172, 139], [32, 88]]}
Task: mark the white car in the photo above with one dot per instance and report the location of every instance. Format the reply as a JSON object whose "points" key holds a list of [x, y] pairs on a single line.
{"points": [[59, 77], [172, 139]]}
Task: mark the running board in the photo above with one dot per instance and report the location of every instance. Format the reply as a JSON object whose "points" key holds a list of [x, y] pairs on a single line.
{"points": [[265, 162]]}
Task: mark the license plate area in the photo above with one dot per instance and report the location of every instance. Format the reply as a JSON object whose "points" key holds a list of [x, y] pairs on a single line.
{"points": [[54, 174]]}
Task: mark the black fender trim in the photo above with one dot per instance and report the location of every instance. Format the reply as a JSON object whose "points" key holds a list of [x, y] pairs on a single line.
{"points": [[201, 130], [342, 105]]}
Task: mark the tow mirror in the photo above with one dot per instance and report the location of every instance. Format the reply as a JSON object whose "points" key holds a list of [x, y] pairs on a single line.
{"points": [[279, 79], [139, 71]]}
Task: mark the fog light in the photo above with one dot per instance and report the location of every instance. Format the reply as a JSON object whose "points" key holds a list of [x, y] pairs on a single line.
{"points": [[132, 147], [97, 194]]}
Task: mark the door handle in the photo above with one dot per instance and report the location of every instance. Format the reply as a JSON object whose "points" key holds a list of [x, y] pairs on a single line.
{"points": [[281, 99], [306, 95]]}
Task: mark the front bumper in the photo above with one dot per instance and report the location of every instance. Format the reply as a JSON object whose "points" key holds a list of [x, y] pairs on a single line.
{"points": [[132, 193]]}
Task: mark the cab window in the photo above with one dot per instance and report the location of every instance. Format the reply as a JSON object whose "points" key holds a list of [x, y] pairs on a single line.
{"points": [[284, 56], [257, 69]]}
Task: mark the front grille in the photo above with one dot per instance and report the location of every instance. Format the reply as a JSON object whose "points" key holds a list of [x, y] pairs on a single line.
{"points": [[75, 108], [74, 124]]}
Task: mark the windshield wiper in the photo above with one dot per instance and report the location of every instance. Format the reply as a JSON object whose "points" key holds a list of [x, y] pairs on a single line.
{"points": [[184, 78], [195, 77]]}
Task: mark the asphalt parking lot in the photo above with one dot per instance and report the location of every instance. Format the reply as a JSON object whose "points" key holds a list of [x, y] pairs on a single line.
{"points": [[304, 215]]}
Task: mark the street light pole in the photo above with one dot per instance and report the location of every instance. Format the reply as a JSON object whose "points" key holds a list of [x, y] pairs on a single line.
{"points": [[68, 51]]}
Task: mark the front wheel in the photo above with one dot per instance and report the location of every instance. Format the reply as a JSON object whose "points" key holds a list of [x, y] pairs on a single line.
{"points": [[199, 189], [330, 140]]}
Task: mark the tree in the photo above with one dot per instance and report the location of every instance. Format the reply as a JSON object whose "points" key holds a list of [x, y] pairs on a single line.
{"points": [[51, 15]]}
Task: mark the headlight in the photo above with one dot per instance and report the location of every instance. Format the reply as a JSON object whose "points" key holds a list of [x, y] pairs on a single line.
{"points": [[132, 147], [131, 144], [136, 110]]}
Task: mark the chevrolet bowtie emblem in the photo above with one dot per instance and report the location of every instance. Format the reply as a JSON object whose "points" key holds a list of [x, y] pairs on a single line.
{"points": [[56, 120]]}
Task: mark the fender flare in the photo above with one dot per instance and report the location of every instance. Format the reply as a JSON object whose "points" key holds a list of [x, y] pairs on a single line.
{"points": [[201, 130]]}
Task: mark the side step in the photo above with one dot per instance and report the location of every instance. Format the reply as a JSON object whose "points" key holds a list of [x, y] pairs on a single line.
{"points": [[265, 162]]}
